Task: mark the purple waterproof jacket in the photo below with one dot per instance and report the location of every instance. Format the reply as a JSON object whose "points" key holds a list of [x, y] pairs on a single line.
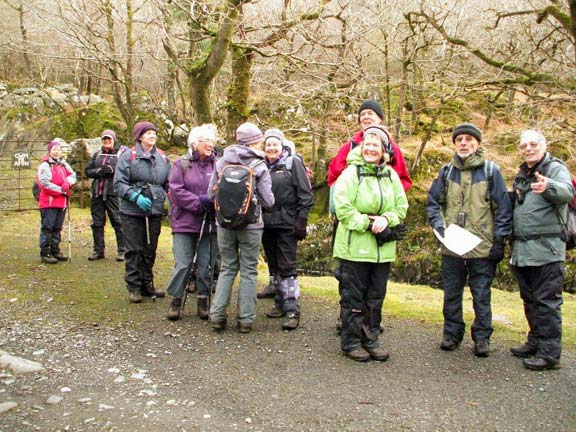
{"points": [[238, 154], [186, 186]]}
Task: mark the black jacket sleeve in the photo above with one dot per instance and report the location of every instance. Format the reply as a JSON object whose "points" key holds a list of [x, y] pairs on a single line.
{"points": [[303, 189], [433, 204]]}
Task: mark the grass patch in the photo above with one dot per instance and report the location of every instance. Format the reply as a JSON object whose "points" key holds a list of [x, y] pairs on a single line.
{"points": [[94, 292]]}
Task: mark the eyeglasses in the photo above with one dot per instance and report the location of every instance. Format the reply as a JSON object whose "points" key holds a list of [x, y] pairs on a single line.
{"points": [[529, 145]]}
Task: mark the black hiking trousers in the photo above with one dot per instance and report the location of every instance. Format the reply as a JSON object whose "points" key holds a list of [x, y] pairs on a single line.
{"points": [[140, 251], [479, 272], [52, 220], [99, 208], [363, 288], [541, 292]]}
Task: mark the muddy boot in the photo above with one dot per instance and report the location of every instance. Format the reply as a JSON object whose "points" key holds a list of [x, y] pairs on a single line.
{"points": [[270, 290], [55, 251], [174, 313], [96, 256], [134, 297], [46, 257], [291, 322], [276, 312], [148, 290], [202, 308]]}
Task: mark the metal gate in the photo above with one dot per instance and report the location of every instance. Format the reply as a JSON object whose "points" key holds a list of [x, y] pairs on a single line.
{"points": [[18, 174]]}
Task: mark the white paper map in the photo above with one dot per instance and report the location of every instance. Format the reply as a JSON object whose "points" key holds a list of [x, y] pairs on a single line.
{"points": [[458, 240]]}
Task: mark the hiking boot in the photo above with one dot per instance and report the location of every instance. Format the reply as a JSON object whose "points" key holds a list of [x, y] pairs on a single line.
{"points": [[150, 291], [59, 256], [539, 364], [96, 256], [276, 312], [268, 292], [119, 258], [359, 355], [218, 325], [134, 297], [48, 259], [243, 327], [449, 343], [202, 308], [482, 348], [174, 313], [523, 351], [291, 322], [378, 354]]}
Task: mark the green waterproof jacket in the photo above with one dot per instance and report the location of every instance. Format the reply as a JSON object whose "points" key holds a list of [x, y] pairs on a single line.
{"points": [[466, 189], [377, 191], [536, 239]]}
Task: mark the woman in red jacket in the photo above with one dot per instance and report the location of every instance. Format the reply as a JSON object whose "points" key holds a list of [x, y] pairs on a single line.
{"points": [[55, 178]]}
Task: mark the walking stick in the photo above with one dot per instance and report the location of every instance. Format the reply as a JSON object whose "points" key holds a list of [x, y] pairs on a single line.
{"points": [[211, 264], [193, 266], [69, 231]]}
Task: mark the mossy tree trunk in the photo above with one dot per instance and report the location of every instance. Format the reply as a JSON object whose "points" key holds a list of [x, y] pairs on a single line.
{"points": [[121, 72], [239, 90], [202, 72]]}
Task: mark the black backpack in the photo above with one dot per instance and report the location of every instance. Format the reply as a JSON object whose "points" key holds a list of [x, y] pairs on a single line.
{"points": [[36, 190], [567, 223], [235, 199]]}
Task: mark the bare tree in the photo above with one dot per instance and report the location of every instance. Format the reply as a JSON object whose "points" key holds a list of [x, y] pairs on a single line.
{"points": [[18, 6]]}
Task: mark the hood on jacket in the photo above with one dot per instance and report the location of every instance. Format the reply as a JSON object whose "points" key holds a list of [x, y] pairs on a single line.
{"points": [[238, 154], [470, 162]]}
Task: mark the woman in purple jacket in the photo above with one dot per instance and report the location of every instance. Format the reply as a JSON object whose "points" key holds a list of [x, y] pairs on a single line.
{"points": [[189, 180]]}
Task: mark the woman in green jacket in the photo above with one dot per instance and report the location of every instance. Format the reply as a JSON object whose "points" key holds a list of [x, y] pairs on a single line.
{"points": [[370, 204]]}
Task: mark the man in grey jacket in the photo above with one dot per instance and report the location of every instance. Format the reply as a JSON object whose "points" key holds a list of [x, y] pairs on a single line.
{"points": [[239, 248], [542, 190]]}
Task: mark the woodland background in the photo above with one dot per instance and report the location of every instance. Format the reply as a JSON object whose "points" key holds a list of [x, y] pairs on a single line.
{"points": [[302, 66]]}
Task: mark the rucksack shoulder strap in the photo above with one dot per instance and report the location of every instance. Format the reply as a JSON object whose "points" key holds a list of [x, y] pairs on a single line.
{"points": [[184, 164]]}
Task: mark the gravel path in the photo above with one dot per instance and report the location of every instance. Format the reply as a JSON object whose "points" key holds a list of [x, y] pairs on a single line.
{"points": [[183, 377]]}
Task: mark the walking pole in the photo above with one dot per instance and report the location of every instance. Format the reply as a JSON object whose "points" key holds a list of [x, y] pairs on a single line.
{"points": [[193, 269], [211, 264], [69, 231]]}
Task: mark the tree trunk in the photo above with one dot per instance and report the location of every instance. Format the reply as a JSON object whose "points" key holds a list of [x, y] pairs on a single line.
{"points": [[202, 73], [239, 90]]}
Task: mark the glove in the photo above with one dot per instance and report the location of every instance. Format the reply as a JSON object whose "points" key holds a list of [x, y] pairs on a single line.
{"points": [[391, 234], [106, 170], [65, 188], [497, 250], [141, 201], [440, 231], [300, 228], [204, 200], [144, 203]]}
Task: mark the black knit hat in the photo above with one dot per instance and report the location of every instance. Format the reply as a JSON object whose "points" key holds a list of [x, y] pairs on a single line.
{"points": [[372, 105], [467, 128]]}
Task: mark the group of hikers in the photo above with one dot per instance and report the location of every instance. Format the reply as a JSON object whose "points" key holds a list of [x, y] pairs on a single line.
{"points": [[258, 192]]}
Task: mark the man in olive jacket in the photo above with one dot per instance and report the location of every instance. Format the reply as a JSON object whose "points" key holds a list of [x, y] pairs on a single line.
{"points": [[470, 192], [542, 190]]}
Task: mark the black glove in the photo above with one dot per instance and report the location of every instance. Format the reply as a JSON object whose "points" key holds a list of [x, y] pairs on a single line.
{"points": [[300, 228], [497, 250], [107, 170], [440, 231], [391, 234]]}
